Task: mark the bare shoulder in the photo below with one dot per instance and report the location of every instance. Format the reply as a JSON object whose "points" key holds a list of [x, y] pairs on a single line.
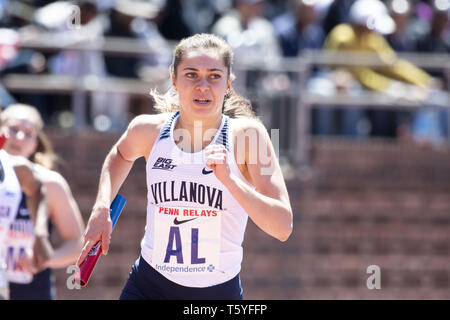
{"points": [[25, 174], [57, 187], [247, 126], [140, 136], [150, 120], [148, 123], [51, 177], [20, 162], [60, 200], [23, 168]]}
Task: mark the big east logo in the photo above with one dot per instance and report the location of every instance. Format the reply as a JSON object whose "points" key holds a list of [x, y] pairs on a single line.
{"points": [[163, 164]]}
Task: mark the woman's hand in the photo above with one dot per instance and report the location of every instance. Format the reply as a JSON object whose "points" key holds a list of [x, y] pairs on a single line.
{"points": [[34, 260], [99, 228], [216, 160], [25, 262]]}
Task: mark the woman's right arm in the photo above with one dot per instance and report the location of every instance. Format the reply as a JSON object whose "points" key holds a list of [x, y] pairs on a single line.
{"points": [[133, 144]]}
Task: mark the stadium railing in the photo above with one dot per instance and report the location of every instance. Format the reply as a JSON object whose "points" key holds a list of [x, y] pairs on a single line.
{"points": [[274, 94]]}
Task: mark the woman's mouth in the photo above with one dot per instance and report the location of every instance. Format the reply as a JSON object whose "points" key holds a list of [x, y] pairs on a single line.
{"points": [[202, 101], [14, 149]]}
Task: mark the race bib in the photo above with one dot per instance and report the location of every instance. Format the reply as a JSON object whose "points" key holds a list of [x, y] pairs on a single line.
{"points": [[20, 239], [14, 272], [187, 240]]}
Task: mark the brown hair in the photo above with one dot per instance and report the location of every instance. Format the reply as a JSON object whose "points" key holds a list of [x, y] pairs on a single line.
{"points": [[44, 153], [234, 105]]}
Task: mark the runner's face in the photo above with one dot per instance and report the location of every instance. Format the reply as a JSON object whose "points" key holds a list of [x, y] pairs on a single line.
{"points": [[201, 83], [22, 136]]}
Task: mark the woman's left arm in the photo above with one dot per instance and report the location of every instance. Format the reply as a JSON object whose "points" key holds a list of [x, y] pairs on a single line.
{"points": [[268, 204], [66, 216]]}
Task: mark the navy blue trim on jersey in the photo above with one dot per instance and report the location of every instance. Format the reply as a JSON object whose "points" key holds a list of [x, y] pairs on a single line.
{"points": [[165, 131], [223, 136], [145, 283], [2, 172], [23, 206], [221, 139], [41, 288]]}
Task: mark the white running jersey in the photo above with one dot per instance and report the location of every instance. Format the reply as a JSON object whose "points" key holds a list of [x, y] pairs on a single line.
{"points": [[10, 196], [20, 239], [195, 228]]}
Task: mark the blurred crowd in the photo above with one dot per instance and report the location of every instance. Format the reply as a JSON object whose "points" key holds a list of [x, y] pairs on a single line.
{"points": [[254, 29]]}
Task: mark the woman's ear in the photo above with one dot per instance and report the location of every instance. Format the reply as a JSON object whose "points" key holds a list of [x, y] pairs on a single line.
{"points": [[174, 81], [229, 85]]}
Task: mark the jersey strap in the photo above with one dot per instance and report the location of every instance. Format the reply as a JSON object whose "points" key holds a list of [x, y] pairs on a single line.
{"points": [[165, 131], [222, 138]]}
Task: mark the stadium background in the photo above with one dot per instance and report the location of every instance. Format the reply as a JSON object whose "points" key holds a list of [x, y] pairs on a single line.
{"points": [[373, 199]]}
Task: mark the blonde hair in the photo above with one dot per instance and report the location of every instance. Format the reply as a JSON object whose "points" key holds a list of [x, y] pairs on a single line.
{"points": [[44, 153], [234, 105]]}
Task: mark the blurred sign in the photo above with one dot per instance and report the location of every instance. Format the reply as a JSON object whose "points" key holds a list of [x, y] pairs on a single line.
{"points": [[73, 22]]}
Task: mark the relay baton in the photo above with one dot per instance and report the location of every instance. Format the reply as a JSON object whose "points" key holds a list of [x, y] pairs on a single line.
{"points": [[87, 266], [2, 140]]}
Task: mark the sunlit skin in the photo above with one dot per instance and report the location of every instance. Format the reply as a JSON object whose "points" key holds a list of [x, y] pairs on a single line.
{"points": [[22, 136], [22, 131], [22, 141], [201, 81]]}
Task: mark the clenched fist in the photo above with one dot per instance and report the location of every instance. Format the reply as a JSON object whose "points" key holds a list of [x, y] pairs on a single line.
{"points": [[216, 160]]}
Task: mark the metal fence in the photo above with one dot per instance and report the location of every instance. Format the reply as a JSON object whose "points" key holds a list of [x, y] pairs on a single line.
{"points": [[276, 86]]}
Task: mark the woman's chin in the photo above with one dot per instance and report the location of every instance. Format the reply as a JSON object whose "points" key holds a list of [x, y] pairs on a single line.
{"points": [[13, 151], [203, 111]]}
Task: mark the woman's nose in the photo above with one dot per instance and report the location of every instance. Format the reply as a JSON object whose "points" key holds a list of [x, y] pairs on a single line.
{"points": [[20, 135], [203, 84]]}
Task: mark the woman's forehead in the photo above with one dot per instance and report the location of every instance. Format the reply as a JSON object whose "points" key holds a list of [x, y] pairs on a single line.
{"points": [[21, 119], [203, 58]]}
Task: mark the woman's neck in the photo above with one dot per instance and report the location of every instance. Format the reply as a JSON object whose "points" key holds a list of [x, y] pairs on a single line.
{"points": [[193, 134]]}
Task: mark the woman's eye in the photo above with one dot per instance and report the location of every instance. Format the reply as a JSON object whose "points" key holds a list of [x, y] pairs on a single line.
{"points": [[215, 76], [191, 75], [28, 135], [13, 130]]}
